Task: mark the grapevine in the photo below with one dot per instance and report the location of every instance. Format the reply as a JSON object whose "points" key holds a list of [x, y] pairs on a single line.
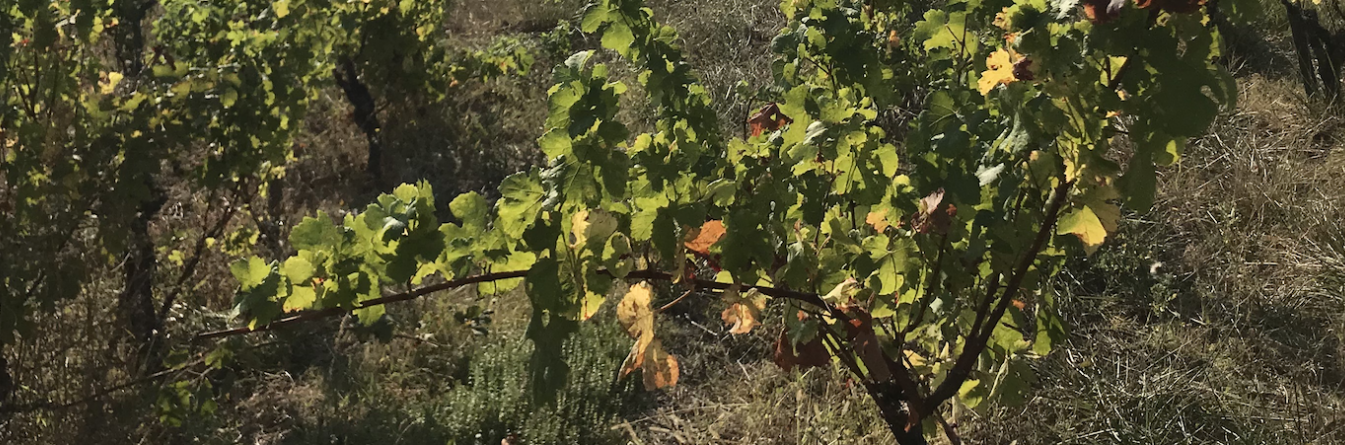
{"points": [[920, 268], [109, 105]]}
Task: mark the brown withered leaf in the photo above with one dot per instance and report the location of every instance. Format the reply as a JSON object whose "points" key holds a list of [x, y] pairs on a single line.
{"points": [[931, 218], [700, 239], [1022, 69], [1103, 11], [866, 344], [810, 354], [768, 118], [635, 359]]}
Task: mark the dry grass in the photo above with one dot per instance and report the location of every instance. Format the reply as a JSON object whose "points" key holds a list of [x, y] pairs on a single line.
{"points": [[1219, 317]]}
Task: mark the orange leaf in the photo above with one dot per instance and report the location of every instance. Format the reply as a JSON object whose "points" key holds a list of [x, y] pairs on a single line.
{"points": [[1103, 11], [878, 220], [660, 367], [768, 118], [700, 240]]}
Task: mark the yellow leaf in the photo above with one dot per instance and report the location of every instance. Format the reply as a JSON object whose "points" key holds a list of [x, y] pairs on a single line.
{"points": [[1002, 19], [635, 360], [843, 292], [1084, 223], [590, 305], [109, 83], [596, 224], [999, 71], [634, 312], [301, 297], [914, 358], [1099, 200]]}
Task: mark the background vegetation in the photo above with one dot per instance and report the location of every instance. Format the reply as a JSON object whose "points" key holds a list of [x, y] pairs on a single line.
{"points": [[1219, 317]]}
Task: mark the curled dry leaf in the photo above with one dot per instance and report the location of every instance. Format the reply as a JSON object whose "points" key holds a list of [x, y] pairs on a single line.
{"points": [[634, 312], [744, 311], [660, 367], [637, 316], [931, 218]]}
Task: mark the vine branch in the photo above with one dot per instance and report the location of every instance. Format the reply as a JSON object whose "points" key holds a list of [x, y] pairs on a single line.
{"points": [[805, 297], [965, 361]]}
